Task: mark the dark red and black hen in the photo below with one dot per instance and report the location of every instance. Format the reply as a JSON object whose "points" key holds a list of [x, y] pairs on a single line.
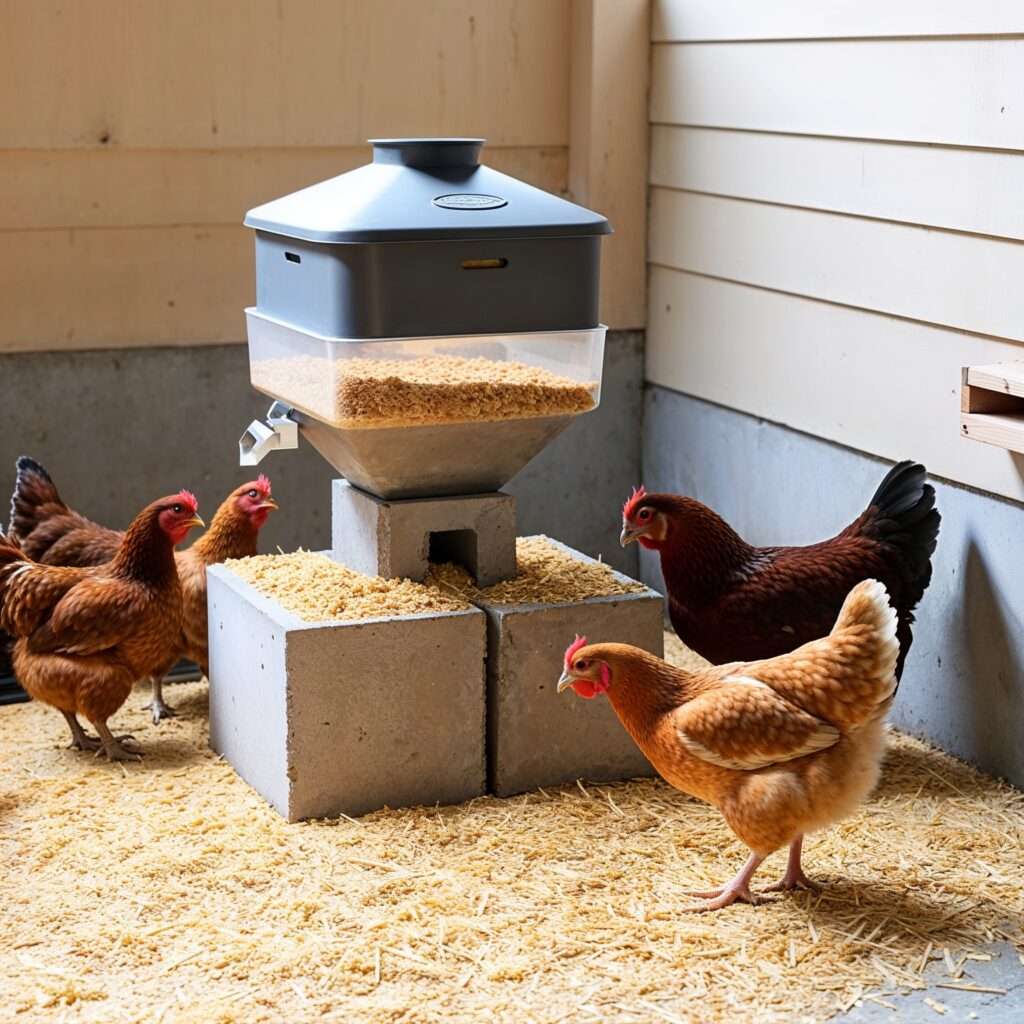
{"points": [[730, 601]]}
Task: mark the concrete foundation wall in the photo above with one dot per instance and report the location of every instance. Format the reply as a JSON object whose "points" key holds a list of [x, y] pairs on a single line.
{"points": [[963, 687], [120, 428]]}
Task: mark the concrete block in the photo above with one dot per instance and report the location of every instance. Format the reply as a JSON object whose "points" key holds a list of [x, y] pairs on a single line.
{"points": [[331, 718], [400, 538], [536, 736]]}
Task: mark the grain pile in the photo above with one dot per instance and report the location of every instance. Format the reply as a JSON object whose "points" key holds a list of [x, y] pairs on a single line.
{"points": [[548, 574], [415, 391], [317, 589], [168, 892]]}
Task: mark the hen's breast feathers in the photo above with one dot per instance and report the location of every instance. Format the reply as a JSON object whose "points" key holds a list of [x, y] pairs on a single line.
{"points": [[192, 573]]}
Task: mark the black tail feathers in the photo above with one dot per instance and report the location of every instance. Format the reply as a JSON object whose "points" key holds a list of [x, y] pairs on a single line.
{"points": [[906, 517], [34, 490]]}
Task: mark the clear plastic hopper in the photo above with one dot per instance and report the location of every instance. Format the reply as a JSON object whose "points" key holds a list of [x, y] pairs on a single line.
{"points": [[419, 417]]}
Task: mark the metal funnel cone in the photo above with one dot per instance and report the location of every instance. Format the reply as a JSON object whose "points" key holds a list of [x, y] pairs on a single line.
{"points": [[434, 460]]}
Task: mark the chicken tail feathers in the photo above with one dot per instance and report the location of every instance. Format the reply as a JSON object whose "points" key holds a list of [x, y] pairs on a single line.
{"points": [[35, 498], [903, 518], [869, 623], [902, 513]]}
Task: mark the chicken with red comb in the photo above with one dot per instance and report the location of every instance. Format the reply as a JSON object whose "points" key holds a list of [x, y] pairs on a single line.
{"points": [[84, 635], [729, 600], [782, 747], [51, 532]]}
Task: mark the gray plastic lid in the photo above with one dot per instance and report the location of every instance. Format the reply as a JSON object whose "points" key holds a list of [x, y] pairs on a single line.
{"points": [[420, 190]]}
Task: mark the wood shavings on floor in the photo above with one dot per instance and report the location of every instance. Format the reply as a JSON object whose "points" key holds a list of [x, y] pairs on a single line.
{"points": [[168, 891]]}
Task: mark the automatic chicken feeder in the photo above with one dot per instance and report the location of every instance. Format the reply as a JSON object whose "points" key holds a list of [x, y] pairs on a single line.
{"points": [[429, 325]]}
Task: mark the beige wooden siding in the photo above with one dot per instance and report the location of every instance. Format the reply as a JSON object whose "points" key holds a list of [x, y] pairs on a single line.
{"points": [[835, 216], [134, 135]]}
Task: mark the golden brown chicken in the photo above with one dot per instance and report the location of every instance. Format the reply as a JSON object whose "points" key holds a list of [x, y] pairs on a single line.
{"points": [[85, 635], [781, 747], [51, 532]]}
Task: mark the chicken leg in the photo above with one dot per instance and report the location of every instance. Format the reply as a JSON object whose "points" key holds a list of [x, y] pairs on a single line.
{"points": [[794, 878], [157, 706], [737, 889], [80, 739], [114, 746]]}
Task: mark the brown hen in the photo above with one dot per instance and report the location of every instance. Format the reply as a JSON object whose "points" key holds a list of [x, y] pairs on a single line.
{"points": [[781, 747], [51, 532], [729, 600], [84, 635]]}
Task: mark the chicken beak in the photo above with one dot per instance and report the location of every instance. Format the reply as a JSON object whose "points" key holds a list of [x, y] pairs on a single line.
{"points": [[194, 521], [564, 681], [268, 503], [628, 535]]}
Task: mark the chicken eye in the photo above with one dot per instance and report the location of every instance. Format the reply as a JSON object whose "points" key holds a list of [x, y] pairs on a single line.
{"points": [[581, 666], [253, 494], [175, 508], [644, 514]]}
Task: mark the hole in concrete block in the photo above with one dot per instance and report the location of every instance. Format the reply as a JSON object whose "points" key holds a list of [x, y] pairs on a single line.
{"points": [[457, 546]]}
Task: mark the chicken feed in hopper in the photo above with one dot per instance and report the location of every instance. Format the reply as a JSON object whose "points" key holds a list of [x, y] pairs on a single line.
{"points": [[429, 325]]}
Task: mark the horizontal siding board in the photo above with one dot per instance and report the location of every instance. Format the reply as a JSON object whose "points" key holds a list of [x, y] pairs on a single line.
{"points": [[124, 287], [958, 280], [689, 20], [958, 92], [962, 189], [43, 189], [195, 73], [889, 387]]}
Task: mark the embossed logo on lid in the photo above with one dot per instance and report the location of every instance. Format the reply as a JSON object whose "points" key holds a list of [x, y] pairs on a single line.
{"points": [[469, 201]]}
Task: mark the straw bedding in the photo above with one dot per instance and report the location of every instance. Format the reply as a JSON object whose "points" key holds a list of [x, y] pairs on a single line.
{"points": [[167, 891], [426, 389]]}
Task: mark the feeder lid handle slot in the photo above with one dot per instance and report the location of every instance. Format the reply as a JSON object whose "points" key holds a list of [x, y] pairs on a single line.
{"points": [[278, 432]]}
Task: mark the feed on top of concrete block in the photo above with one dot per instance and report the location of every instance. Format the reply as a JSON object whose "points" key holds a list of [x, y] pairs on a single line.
{"points": [[317, 589], [548, 574]]}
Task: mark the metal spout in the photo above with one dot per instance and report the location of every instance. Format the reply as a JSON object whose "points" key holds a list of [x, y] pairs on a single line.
{"points": [[278, 432]]}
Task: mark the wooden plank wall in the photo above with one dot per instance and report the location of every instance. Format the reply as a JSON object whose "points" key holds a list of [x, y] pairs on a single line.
{"points": [[835, 216], [134, 135]]}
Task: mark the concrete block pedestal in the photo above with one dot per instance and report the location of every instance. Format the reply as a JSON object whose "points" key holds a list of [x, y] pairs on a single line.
{"points": [[329, 718], [536, 736], [401, 538]]}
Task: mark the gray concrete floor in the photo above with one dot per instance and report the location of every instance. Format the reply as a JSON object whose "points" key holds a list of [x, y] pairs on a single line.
{"points": [[1004, 974]]}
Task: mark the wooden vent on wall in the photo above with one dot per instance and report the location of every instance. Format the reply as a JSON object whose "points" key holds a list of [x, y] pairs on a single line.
{"points": [[992, 405]]}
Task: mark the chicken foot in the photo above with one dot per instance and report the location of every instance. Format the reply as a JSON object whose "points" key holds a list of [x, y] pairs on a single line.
{"points": [[80, 739], [737, 889], [118, 748], [157, 706], [794, 878]]}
